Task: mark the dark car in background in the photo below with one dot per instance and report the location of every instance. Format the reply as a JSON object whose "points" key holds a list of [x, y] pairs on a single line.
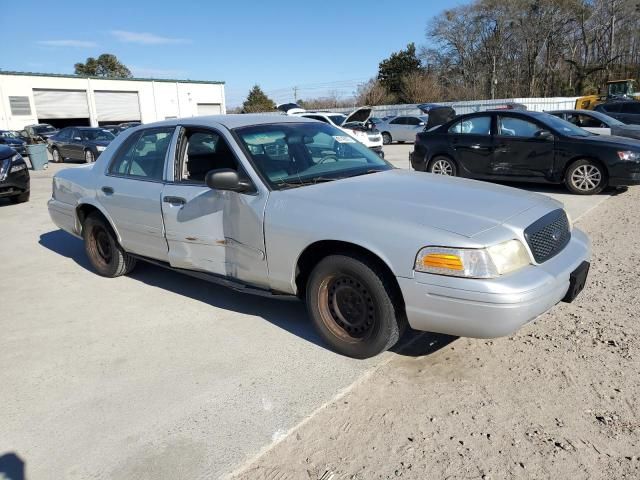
{"points": [[525, 146], [13, 140], [40, 132], [627, 111], [79, 143], [14, 176], [121, 127], [598, 122]]}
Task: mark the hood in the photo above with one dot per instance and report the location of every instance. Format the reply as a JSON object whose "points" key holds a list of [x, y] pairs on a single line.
{"points": [[290, 108], [614, 141], [6, 152], [13, 141], [631, 131], [361, 115], [461, 206]]}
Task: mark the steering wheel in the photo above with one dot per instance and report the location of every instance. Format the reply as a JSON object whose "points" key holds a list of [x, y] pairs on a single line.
{"points": [[328, 157]]}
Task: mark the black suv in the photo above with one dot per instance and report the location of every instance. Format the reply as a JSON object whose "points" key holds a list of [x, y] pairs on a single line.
{"points": [[14, 176], [527, 146], [627, 112]]}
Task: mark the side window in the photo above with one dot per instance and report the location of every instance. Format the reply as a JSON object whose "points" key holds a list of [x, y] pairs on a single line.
{"points": [[573, 118], [612, 107], [64, 134], [203, 151], [590, 122], [413, 121], [472, 126], [397, 121], [516, 127], [143, 154]]}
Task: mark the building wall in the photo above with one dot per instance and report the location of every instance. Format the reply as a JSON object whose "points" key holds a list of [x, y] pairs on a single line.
{"points": [[158, 99]]}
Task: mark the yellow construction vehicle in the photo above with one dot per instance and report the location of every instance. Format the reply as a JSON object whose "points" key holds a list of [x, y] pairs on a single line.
{"points": [[614, 90]]}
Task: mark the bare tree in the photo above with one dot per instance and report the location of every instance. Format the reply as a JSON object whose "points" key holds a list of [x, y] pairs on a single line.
{"points": [[420, 87], [373, 93]]}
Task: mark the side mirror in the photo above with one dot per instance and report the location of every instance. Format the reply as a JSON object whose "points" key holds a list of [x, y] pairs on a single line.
{"points": [[544, 135], [226, 179], [421, 124]]}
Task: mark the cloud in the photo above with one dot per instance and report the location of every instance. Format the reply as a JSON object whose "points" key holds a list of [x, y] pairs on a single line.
{"points": [[144, 38], [67, 43], [143, 72]]}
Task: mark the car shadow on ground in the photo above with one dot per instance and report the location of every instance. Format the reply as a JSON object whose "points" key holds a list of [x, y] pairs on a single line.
{"points": [[290, 315]]}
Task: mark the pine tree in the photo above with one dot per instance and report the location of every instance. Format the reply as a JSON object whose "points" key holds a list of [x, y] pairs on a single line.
{"points": [[257, 101]]}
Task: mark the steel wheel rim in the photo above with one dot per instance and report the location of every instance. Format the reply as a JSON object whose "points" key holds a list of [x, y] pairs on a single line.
{"points": [[442, 167], [102, 245], [347, 308], [88, 156], [386, 138], [56, 155], [586, 178]]}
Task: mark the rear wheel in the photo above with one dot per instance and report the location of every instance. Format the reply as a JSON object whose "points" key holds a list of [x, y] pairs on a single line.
{"points": [[585, 177], [386, 138], [353, 306], [89, 157], [443, 166], [102, 247]]}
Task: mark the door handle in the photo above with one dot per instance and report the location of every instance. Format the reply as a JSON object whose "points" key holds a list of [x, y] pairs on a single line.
{"points": [[107, 190], [174, 200]]}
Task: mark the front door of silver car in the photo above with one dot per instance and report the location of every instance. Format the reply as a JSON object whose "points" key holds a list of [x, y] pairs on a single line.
{"points": [[131, 190], [217, 231]]}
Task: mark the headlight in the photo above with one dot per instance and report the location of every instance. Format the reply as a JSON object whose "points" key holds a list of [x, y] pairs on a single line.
{"points": [[488, 262], [629, 155], [100, 148], [4, 168]]}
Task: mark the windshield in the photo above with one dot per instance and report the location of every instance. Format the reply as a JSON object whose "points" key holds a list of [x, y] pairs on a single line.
{"points": [[338, 119], [99, 135], [295, 154], [564, 127], [43, 129]]}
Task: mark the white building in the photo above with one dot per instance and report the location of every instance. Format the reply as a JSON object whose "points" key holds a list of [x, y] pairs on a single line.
{"points": [[62, 100]]}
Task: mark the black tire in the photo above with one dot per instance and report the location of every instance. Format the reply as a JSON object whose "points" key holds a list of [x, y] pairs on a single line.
{"points": [[585, 177], [89, 156], [22, 198], [102, 247], [57, 157], [353, 306], [386, 138], [441, 165]]}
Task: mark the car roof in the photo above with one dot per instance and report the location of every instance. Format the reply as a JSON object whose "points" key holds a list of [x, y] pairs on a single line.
{"points": [[230, 121]]}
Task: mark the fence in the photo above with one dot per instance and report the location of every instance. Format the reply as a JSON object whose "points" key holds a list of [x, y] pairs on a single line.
{"points": [[470, 106]]}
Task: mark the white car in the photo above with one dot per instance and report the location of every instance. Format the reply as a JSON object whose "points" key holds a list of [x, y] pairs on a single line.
{"points": [[355, 124]]}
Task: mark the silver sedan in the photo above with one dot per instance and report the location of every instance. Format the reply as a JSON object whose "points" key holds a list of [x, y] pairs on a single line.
{"points": [[402, 128], [292, 207]]}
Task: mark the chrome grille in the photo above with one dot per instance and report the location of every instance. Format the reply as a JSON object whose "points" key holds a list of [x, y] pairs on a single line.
{"points": [[549, 235]]}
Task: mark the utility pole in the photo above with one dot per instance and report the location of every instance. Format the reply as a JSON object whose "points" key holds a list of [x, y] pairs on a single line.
{"points": [[295, 94]]}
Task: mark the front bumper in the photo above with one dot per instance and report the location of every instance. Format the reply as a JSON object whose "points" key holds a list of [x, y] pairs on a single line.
{"points": [[623, 174], [491, 308], [15, 184]]}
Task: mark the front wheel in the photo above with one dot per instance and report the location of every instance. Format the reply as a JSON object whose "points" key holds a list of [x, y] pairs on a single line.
{"points": [[55, 153], [89, 157], [585, 177], [386, 138], [353, 306], [102, 247], [443, 166]]}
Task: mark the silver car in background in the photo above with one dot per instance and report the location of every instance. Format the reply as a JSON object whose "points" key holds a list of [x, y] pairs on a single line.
{"points": [[291, 207], [598, 122], [401, 129]]}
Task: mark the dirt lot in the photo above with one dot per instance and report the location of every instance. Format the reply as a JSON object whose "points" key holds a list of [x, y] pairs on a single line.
{"points": [[560, 399]]}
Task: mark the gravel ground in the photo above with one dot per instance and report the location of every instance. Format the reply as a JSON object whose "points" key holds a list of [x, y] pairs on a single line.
{"points": [[560, 399]]}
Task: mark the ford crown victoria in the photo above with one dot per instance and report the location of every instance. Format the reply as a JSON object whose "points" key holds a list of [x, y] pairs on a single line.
{"points": [[288, 206]]}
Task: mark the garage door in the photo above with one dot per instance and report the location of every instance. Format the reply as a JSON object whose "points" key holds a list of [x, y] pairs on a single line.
{"points": [[209, 109], [117, 106], [61, 103]]}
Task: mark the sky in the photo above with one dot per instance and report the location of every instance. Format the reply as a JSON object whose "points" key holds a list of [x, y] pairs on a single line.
{"points": [[318, 47]]}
